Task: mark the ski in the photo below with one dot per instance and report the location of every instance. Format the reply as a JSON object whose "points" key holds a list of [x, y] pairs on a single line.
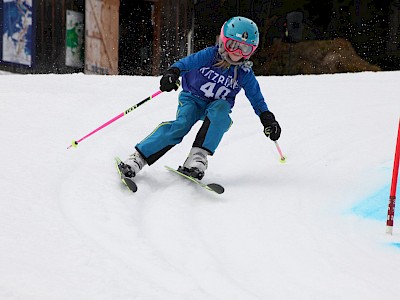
{"points": [[128, 182], [213, 187]]}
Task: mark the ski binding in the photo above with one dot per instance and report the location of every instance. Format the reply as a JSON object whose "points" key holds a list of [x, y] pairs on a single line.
{"points": [[127, 181]]}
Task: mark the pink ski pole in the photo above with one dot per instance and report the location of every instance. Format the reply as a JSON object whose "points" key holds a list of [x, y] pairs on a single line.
{"points": [[283, 158], [75, 143]]}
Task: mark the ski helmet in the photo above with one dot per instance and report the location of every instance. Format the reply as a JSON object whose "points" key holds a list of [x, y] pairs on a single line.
{"points": [[240, 34]]}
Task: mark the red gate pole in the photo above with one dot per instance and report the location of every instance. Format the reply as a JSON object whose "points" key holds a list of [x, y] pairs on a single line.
{"points": [[392, 197]]}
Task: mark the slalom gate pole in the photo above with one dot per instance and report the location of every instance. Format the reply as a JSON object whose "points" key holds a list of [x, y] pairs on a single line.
{"points": [[283, 158], [74, 143], [392, 197]]}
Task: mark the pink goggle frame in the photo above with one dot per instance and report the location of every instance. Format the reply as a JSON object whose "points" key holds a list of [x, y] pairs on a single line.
{"points": [[231, 46]]}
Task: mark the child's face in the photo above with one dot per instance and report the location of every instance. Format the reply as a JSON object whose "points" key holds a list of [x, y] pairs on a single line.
{"points": [[235, 56]]}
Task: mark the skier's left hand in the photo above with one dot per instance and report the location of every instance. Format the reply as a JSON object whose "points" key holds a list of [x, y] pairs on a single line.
{"points": [[271, 126]]}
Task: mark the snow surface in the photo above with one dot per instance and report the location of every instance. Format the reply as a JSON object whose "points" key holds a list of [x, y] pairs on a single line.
{"points": [[306, 229]]}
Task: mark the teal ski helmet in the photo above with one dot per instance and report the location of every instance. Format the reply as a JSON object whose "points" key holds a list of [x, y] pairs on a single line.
{"points": [[240, 34]]}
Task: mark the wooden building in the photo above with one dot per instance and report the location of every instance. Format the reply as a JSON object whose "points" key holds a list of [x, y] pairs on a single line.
{"points": [[139, 37]]}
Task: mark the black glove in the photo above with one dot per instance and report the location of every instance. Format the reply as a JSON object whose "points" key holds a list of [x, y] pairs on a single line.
{"points": [[170, 80], [271, 126]]}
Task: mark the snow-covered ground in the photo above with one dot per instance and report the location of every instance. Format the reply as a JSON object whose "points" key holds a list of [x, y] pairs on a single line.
{"points": [[312, 228]]}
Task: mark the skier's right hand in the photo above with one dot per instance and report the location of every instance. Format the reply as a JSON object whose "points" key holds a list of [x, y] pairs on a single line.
{"points": [[170, 80]]}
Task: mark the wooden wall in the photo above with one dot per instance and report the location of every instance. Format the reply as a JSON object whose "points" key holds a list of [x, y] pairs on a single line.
{"points": [[171, 21], [101, 36]]}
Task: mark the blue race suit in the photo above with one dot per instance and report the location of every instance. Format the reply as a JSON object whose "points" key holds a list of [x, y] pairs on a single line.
{"points": [[208, 94]]}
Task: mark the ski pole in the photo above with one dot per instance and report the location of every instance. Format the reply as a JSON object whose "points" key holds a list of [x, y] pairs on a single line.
{"points": [[392, 196], [75, 143], [283, 158]]}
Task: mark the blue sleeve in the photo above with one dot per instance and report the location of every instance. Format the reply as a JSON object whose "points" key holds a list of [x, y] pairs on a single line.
{"points": [[196, 60], [253, 93]]}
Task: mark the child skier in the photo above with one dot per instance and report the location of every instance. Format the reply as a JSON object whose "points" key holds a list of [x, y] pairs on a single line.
{"points": [[211, 79]]}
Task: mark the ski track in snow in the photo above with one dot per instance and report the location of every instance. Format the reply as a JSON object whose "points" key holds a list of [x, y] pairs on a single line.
{"points": [[70, 230]]}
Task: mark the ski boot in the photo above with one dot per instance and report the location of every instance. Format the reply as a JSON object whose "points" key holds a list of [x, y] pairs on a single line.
{"points": [[130, 167], [196, 163]]}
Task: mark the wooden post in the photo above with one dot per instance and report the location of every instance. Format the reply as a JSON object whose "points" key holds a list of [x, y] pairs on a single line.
{"points": [[157, 39], [101, 36]]}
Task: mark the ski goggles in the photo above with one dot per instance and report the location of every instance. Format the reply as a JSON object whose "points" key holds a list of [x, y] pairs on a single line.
{"points": [[233, 46]]}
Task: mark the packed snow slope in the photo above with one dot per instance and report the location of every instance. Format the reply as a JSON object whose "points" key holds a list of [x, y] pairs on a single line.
{"points": [[69, 230]]}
